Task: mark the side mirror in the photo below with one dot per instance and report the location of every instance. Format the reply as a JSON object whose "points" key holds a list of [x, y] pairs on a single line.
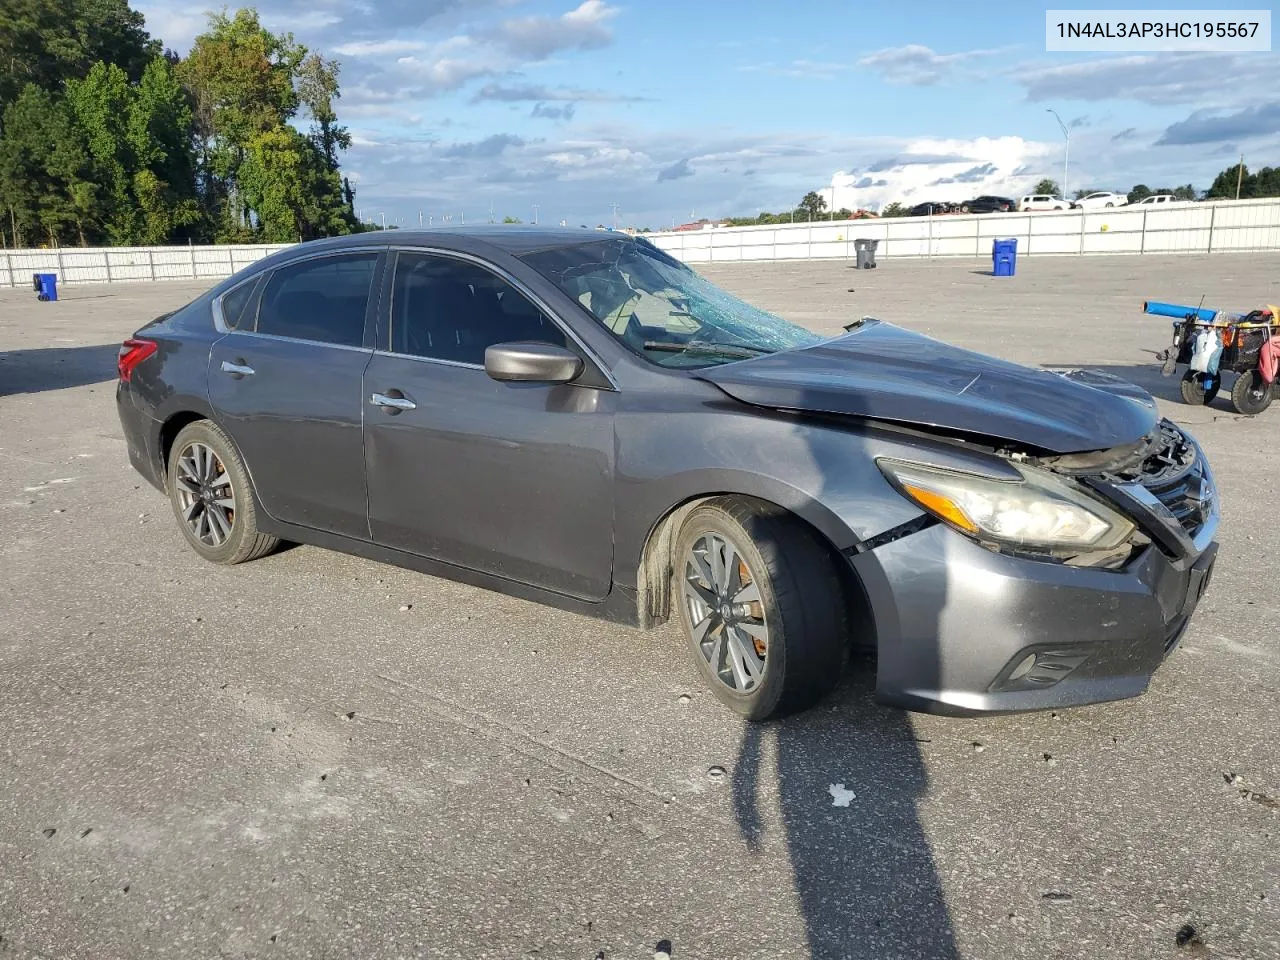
{"points": [[534, 362]]}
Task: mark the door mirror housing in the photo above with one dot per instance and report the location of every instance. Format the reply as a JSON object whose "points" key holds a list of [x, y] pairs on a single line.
{"points": [[532, 362]]}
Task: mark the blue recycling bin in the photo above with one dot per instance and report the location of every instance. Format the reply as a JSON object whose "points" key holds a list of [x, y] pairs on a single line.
{"points": [[1004, 257], [45, 285]]}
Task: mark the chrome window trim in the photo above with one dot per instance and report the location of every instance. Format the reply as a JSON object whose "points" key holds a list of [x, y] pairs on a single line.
{"points": [[516, 284], [443, 363], [313, 343]]}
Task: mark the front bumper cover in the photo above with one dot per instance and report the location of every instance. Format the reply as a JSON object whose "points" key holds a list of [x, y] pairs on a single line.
{"points": [[962, 629]]}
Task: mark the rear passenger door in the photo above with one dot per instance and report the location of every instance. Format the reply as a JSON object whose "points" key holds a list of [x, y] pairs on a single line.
{"points": [[286, 383], [511, 479]]}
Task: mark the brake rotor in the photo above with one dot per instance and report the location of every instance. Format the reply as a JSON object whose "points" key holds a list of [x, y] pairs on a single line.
{"points": [[755, 608]]}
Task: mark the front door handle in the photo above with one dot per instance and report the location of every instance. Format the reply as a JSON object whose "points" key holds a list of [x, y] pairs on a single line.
{"points": [[392, 404], [238, 369]]}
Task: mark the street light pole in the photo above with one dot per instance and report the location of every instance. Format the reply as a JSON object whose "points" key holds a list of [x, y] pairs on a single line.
{"points": [[535, 214], [1066, 153]]}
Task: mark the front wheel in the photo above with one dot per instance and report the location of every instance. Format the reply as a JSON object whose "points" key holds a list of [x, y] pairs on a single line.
{"points": [[1199, 389], [209, 491], [761, 606], [1251, 394]]}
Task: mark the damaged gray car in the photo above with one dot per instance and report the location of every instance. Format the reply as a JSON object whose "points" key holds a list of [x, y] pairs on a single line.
{"points": [[577, 418]]}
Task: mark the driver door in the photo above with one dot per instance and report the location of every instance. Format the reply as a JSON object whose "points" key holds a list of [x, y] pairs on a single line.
{"points": [[510, 479]]}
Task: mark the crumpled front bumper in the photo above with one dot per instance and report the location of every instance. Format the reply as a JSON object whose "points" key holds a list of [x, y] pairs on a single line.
{"points": [[962, 629]]}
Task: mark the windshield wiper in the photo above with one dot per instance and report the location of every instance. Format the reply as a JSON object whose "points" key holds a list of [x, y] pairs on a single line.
{"points": [[707, 347]]}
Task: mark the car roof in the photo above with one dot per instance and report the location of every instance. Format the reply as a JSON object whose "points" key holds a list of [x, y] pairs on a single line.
{"points": [[516, 239]]}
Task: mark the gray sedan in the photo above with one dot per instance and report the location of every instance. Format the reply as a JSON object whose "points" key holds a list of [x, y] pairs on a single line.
{"points": [[576, 418]]}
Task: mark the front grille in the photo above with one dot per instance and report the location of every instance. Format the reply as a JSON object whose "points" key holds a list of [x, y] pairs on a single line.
{"points": [[1170, 467], [1186, 499]]}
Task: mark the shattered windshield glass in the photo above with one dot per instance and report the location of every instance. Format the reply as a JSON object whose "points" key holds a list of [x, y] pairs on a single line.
{"points": [[661, 309]]}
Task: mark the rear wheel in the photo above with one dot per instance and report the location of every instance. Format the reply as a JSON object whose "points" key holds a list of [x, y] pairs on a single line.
{"points": [[761, 606], [1251, 394], [209, 491], [1199, 389]]}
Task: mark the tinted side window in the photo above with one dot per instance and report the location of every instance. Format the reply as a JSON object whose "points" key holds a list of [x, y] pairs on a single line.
{"points": [[235, 301], [449, 309], [323, 299]]}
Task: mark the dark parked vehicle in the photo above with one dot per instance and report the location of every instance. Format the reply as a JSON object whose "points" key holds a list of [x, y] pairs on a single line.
{"points": [[579, 419], [992, 205], [935, 208]]}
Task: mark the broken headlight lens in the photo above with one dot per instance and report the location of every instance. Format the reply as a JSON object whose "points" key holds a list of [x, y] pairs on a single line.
{"points": [[1040, 512]]}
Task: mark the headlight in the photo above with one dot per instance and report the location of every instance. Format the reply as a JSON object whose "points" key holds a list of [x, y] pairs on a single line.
{"points": [[1038, 512]]}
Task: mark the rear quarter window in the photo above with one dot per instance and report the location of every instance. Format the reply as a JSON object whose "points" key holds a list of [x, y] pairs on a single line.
{"points": [[235, 301]]}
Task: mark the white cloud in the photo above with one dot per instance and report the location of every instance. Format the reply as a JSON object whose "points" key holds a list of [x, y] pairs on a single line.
{"points": [[379, 48], [176, 28], [1194, 79], [917, 65], [950, 170], [537, 37], [439, 76], [802, 69], [1212, 127]]}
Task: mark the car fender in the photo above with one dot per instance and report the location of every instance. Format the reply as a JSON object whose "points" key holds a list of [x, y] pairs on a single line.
{"points": [[823, 470]]}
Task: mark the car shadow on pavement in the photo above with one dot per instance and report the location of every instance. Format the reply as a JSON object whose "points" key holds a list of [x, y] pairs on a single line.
{"points": [[848, 777], [56, 368]]}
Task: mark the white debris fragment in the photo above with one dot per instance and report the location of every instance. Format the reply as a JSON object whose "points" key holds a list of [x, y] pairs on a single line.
{"points": [[840, 797]]}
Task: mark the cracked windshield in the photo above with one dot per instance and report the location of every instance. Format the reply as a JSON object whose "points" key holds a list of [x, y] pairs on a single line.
{"points": [[663, 310]]}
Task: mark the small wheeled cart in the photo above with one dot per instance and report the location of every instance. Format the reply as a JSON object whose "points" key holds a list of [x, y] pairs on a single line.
{"points": [[1209, 343]]}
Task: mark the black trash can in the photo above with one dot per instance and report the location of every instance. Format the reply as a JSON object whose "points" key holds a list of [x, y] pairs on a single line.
{"points": [[866, 253]]}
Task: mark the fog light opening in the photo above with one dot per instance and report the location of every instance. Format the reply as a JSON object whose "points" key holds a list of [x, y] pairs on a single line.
{"points": [[1023, 668]]}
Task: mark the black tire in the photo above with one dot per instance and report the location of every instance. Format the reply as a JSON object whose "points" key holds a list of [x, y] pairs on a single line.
{"points": [[1250, 395], [801, 606], [1193, 388], [242, 541]]}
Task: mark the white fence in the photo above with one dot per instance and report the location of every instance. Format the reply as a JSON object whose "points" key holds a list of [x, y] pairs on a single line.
{"points": [[109, 264], [1179, 228]]}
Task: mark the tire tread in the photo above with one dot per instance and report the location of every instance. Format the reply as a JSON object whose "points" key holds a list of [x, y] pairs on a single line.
{"points": [[253, 545], [808, 595]]}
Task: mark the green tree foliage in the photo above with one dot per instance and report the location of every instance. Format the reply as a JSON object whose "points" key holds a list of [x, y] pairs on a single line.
{"points": [[812, 205], [511, 219], [45, 171], [159, 136], [103, 140], [1047, 186], [1264, 183], [895, 209], [1140, 192], [261, 177], [46, 42]]}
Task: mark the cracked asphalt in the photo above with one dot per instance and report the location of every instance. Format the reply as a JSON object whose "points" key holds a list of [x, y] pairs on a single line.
{"points": [[279, 760]]}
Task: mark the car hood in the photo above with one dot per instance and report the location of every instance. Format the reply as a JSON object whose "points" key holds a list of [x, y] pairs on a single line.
{"points": [[883, 372]]}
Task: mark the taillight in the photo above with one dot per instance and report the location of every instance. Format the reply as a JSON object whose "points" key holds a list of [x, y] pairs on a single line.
{"points": [[132, 352]]}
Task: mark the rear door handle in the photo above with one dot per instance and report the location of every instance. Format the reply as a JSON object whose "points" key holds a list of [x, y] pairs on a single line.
{"points": [[392, 404], [237, 370]]}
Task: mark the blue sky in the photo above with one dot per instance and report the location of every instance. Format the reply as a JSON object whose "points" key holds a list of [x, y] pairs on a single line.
{"points": [[716, 108]]}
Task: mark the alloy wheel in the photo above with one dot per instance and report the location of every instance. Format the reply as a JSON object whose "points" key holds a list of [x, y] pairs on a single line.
{"points": [[726, 612], [205, 495]]}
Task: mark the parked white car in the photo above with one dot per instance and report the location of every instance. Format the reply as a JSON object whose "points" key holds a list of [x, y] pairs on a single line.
{"points": [[1157, 199], [1100, 199], [1043, 201]]}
